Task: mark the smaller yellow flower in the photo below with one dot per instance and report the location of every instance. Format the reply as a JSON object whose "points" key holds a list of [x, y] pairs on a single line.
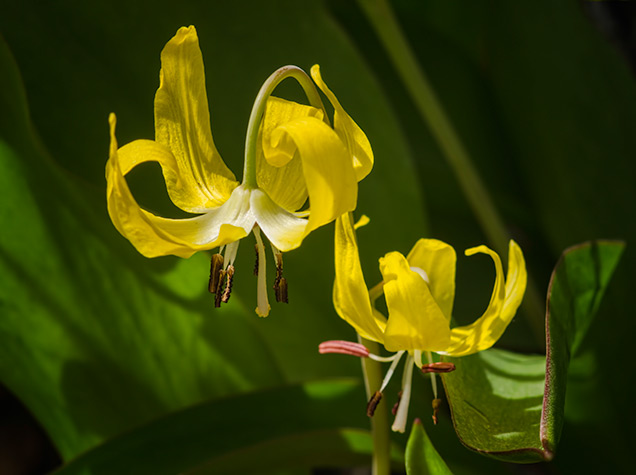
{"points": [[419, 290], [300, 172]]}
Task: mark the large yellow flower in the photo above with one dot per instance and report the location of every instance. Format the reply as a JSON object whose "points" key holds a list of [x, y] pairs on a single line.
{"points": [[419, 290], [293, 156]]}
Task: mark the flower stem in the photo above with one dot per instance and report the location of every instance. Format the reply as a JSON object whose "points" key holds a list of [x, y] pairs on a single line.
{"points": [[432, 112], [372, 372], [258, 109]]}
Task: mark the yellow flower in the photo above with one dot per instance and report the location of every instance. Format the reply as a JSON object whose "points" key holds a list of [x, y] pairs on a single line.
{"points": [[293, 156], [419, 290]]}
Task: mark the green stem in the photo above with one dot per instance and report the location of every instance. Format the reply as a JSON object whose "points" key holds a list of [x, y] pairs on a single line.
{"points": [[258, 109], [372, 372], [386, 26]]}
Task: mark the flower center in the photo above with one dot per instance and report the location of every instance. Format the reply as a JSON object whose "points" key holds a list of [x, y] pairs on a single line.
{"points": [[222, 274], [401, 408]]}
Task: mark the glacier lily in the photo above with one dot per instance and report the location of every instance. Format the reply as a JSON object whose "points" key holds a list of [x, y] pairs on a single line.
{"points": [[292, 155], [419, 290]]}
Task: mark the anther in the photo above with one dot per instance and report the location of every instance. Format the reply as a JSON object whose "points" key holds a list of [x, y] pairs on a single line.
{"points": [[344, 348], [215, 266], [373, 403], [219, 295], [436, 404], [280, 289], [228, 284], [280, 283], [256, 262], [394, 409], [441, 367]]}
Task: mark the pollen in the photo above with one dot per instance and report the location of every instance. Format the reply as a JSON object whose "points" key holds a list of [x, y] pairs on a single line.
{"points": [[218, 297], [216, 265], [280, 284], [441, 367], [373, 403], [229, 277]]}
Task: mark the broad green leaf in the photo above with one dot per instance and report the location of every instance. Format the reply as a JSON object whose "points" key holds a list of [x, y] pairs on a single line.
{"points": [[421, 456], [502, 403], [283, 428], [96, 339]]}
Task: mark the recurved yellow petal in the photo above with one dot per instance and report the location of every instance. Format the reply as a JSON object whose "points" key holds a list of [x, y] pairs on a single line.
{"points": [[182, 124], [415, 320], [154, 236], [351, 135], [279, 168], [328, 173], [350, 294], [487, 329], [438, 260], [516, 280]]}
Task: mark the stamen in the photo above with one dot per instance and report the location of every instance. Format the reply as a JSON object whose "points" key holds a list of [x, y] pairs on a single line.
{"points": [[281, 291], [389, 373], [429, 356], [228, 284], [219, 295], [399, 424], [397, 404], [280, 284], [436, 404], [344, 348], [384, 359], [373, 403], [230, 254], [441, 367], [215, 266], [263, 308]]}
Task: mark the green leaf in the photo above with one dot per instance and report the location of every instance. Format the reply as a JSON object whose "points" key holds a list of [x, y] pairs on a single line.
{"points": [[502, 403], [421, 456], [286, 427]]}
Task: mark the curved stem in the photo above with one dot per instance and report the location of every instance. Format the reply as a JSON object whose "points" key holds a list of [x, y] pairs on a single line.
{"points": [[372, 372], [432, 112], [258, 109]]}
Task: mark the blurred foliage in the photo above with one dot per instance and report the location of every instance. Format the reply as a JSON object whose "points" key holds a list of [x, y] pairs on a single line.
{"points": [[97, 340]]}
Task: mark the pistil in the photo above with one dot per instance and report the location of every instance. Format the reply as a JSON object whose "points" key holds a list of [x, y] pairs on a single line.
{"points": [[399, 424], [262, 308]]}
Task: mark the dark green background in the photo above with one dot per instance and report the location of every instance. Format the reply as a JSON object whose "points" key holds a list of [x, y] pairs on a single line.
{"points": [[95, 339]]}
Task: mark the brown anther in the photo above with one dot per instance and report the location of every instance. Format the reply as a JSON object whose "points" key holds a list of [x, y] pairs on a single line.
{"points": [[280, 283], [373, 403], [229, 274], [397, 404], [441, 367], [280, 290], [215, 266], [219, 295], [436, 404], [256, 262]]}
